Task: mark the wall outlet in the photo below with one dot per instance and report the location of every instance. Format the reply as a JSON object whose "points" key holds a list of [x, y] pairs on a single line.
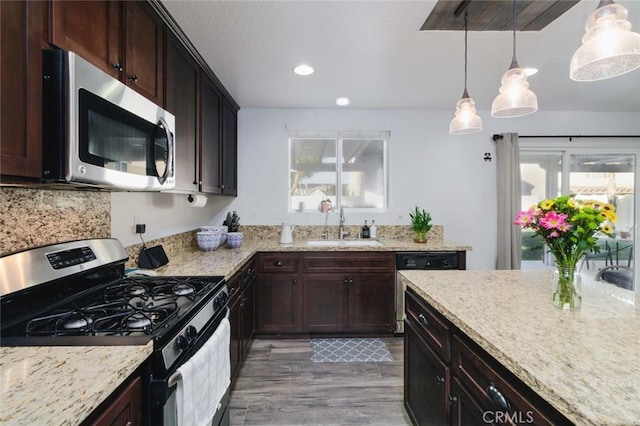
{"points": [[275, 212], [141, 228], [253, 214]]}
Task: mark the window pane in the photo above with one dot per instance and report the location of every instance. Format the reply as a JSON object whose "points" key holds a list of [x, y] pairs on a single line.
{"points": [[541, 179], [313, 175], [362, 179]]}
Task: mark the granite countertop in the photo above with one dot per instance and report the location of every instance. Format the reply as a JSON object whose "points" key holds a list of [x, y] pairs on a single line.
{"points": [[584, 363], [226, 262], [62, 385]]}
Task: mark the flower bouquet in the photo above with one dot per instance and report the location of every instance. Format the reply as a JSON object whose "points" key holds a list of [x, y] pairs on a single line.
{"points": [[570, 228]]}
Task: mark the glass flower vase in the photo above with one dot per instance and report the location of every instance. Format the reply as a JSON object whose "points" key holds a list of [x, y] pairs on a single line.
{"points": [[567, 288]]}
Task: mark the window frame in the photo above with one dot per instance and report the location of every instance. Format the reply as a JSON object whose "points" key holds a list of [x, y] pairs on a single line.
{"points": [[338, 137]]}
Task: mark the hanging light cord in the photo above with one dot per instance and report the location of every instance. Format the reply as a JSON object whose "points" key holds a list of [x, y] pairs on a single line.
{"points": [[514, 61], [465, 50]]}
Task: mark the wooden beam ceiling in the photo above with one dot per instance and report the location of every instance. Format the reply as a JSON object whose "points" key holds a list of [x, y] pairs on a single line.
{"points": [[495, 15]]}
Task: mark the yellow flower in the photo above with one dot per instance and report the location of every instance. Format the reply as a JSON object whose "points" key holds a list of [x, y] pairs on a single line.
{"points": [[608, 207], [546, 204], [596, 205], [572, 203], [607, 229], [610, 215]]}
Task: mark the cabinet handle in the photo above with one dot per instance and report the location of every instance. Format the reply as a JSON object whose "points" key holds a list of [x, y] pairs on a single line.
{"points": [[233, 290], [494, 394], [278, 263], [439, 380], [295, 282], [350, 280], [117, 67], [453, 400], [133, 78], [346, 280], [423, 320]]}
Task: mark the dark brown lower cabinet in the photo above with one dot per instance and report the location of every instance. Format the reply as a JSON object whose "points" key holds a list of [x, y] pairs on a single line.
{"points": [[241, 314], [426, 392], [126, 408], [451, 380], [326, 292]]}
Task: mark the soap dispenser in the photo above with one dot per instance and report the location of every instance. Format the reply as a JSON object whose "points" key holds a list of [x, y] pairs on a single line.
{"points": [[373, 230], [365, 230]]}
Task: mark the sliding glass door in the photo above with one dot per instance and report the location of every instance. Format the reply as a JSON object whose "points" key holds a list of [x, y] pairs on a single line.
{"points": [[611, 176]]}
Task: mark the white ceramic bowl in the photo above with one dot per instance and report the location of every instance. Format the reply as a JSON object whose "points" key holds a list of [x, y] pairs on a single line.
{"points": [[234, 239], [216, 228], [209, 241]]}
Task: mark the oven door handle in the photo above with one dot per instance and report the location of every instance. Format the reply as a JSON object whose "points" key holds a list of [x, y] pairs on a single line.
{"points": [[176, 376]]}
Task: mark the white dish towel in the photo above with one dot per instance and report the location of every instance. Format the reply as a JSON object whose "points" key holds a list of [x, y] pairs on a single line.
{"points": [[205, 378]]}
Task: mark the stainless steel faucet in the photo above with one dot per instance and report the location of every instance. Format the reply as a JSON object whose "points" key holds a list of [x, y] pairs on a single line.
{"points": [[341, 232]]}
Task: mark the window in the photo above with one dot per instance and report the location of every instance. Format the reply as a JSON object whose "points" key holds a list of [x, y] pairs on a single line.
{"points": [[348, 168]]}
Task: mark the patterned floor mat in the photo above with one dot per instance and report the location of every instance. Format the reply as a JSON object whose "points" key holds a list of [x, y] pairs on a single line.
{"points": [[349, 350]]}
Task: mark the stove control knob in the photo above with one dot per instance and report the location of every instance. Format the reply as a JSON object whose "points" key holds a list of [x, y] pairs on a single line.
{"points": [[182, 342], [192, 333], [218, 303]]}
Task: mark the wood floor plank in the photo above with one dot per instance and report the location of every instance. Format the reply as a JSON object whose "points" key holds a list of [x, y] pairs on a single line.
{"points": [[279, 385]]}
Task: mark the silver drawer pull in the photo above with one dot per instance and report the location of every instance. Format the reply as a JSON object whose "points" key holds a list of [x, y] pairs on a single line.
{"points": [[494, 394], [423, 320]]}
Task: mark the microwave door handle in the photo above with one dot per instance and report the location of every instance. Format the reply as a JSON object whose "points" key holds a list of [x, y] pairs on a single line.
{"points": [[170, 143]]}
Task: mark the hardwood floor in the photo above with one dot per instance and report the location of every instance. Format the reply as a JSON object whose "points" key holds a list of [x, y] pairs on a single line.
{"points": [[279, 385]]}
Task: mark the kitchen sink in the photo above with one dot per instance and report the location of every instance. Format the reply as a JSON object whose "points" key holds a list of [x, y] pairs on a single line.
{"points": [[344, 243]]}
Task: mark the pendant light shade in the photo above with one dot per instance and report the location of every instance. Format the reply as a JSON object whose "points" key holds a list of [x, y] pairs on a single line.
{"points": [[466, 120], [515, 98], [609, 47]]}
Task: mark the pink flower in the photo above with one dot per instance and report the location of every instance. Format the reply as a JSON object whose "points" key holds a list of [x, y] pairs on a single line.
{"points": [[553, 220], [553, 234], [524, 218]]}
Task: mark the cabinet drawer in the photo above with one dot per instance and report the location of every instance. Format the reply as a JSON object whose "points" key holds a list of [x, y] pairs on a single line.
{"points": [[234, 285], [498, 391], [248, 273], [278, 262], [430, 326], [348, 262]]}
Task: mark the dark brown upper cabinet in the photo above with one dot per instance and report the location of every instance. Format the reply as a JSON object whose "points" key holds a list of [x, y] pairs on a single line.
{"points": [[23, 36], [181, 96], [124, 39]]}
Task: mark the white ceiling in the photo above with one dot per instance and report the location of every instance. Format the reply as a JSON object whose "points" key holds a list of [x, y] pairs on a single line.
{"points": [[373, 53]]}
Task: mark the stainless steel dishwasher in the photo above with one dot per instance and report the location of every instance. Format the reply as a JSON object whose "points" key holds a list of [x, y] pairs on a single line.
{"points": [[424, 260]]}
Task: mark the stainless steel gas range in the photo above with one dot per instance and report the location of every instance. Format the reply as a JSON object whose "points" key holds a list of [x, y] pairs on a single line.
{"points": [[76, 293]]}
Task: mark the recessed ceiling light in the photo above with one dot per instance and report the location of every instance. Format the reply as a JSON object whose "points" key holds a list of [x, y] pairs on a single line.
{"points": [[303, 69], [342, 101], [530, 71]]}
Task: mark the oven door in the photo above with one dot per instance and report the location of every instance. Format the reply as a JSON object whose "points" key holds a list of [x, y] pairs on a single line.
{"points": [[164, 395]]}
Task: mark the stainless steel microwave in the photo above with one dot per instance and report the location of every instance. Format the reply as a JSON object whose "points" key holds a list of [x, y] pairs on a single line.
{"points": [[99, 132]]}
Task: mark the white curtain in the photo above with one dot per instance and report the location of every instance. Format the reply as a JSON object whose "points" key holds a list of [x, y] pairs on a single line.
{"points": [[509, 184]]}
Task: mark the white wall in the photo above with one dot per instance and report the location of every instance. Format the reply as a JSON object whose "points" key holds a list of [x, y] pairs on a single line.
{"points": [[444, 174]]}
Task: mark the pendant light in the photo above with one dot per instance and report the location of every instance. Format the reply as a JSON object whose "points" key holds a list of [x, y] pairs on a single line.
{"points": [[609, 47], [515, 98], [466, 120]]}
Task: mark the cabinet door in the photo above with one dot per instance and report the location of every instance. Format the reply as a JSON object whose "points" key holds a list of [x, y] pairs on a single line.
{"points": [[278, 303], [248, 316], [22, 39], [92, 29], [371, 302], [144, 47], [465, 410], [229, 150], [426, 381], [235, 349], [126, 408], [210, 143], [326, 303], [181, 96]]}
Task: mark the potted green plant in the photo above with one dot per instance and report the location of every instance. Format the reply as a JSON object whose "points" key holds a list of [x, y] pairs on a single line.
{"points": [[420, 223]]}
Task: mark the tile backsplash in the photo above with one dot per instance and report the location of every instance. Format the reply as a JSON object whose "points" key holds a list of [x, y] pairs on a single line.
{"points": [[36, 217]]}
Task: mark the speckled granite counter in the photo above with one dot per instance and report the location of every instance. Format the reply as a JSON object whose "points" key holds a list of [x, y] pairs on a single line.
{"points": [[584, 363], [226, 262], [57, 385]]}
